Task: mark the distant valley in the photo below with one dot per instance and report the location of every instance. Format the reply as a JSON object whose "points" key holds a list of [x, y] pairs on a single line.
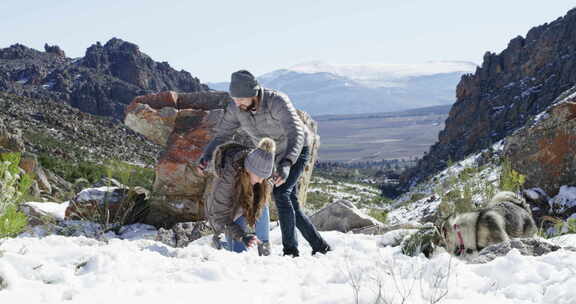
{"points": [[378, 136]]}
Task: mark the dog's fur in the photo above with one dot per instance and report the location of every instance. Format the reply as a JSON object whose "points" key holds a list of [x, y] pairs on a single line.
{"points": [[506, 216]]}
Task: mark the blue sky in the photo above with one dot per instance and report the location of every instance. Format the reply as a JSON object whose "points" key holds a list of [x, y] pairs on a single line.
{"points": [[211, 38]]}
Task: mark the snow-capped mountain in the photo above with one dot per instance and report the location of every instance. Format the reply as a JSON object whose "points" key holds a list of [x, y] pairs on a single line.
{"points": [[321, 88]]}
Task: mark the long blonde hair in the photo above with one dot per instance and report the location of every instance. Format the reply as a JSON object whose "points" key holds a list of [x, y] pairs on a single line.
{"points": [[252, 198]]}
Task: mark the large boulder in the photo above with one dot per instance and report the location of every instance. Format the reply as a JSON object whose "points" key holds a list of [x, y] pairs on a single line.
{"points": [[544, 150], [341, 216], [184, 123]]}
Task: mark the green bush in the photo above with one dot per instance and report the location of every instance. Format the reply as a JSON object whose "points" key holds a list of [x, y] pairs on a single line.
{"points": [[417, 196], [380, 215], [510, 179], [12, 222], [316, 200], [13, 186], [564, 227], [424, 241], [130, 175]]}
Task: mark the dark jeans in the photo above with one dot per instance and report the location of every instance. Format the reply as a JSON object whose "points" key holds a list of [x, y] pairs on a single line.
{"points": [[289, 213]]}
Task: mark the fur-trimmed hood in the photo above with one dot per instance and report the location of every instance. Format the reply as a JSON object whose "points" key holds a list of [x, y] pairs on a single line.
{"points": [[229, 151]]}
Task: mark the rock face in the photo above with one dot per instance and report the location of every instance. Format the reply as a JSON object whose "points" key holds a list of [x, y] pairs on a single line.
{"points": [[184, 124], [341, 216], [504, 93], [103, 82], [544, 150]]}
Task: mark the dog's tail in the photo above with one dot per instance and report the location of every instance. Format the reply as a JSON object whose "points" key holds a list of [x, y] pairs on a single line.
{"points": [[508, 196]]}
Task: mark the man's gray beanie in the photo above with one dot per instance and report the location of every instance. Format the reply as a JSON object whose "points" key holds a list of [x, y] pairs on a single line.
{"points": [[243, 84], [260, 161]]}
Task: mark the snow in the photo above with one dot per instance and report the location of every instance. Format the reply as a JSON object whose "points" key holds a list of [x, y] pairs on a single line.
{"points": [[57, 210], [565, 199], [385, 75], [58, 269], [94, 193]]}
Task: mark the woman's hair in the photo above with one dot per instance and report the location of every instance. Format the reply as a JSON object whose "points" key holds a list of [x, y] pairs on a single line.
{"points": [[251, 198]]}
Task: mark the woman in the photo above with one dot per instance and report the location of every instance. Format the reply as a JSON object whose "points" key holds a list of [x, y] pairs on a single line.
{"points": [[240, 195]]}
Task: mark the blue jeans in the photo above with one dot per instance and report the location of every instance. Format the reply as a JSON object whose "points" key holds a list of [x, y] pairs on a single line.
{"points": [[262, 228], [289, 213]]}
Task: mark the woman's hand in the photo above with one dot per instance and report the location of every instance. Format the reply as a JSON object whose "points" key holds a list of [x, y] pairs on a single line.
{"points": [[250, 240]]}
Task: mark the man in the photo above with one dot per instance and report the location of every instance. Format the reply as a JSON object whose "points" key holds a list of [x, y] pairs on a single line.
{"points": [[268, 113]]}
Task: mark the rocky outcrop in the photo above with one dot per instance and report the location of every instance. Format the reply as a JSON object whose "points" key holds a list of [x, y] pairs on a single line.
{"points": [[544, 150], [504, 93], [184, 123], [103, 82], [341, 216]]}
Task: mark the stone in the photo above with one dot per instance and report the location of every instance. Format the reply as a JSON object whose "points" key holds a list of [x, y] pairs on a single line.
{"points": [[182, 234], [341, 216], [38, 213], [29, 162], [528, 246], [138, 231]]}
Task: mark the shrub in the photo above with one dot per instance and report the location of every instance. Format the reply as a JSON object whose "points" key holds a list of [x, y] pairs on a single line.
{"points": [[317, 199], [510, 179], [128, 174], [12, 222], [380, 215], [13, 186]]}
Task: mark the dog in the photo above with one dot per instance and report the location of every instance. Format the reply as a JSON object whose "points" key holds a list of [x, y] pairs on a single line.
{"points": [[506, 216]]}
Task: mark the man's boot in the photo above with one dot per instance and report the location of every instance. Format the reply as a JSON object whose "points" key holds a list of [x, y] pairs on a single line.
{"points": [[323, 249], [264, 248], [291, 251]]}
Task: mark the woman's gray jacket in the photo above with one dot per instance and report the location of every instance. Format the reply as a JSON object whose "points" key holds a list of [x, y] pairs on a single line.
{"points": [[222, 205]]}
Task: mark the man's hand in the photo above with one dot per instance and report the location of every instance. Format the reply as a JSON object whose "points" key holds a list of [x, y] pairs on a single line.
{"points": [[282, 173], [250, 240], [201, 166]]}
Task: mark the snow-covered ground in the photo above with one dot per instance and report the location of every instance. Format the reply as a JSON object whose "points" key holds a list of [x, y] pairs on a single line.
{"points": [[59, 269], [406, 209], [339, 190]]}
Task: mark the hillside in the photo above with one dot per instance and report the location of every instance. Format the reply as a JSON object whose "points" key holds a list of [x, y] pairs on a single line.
{"points": [[58, 130]]}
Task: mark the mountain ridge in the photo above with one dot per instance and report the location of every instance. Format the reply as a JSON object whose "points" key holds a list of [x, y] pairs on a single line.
{"points": [[102, 82], [324, 92], [504, 93]]}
